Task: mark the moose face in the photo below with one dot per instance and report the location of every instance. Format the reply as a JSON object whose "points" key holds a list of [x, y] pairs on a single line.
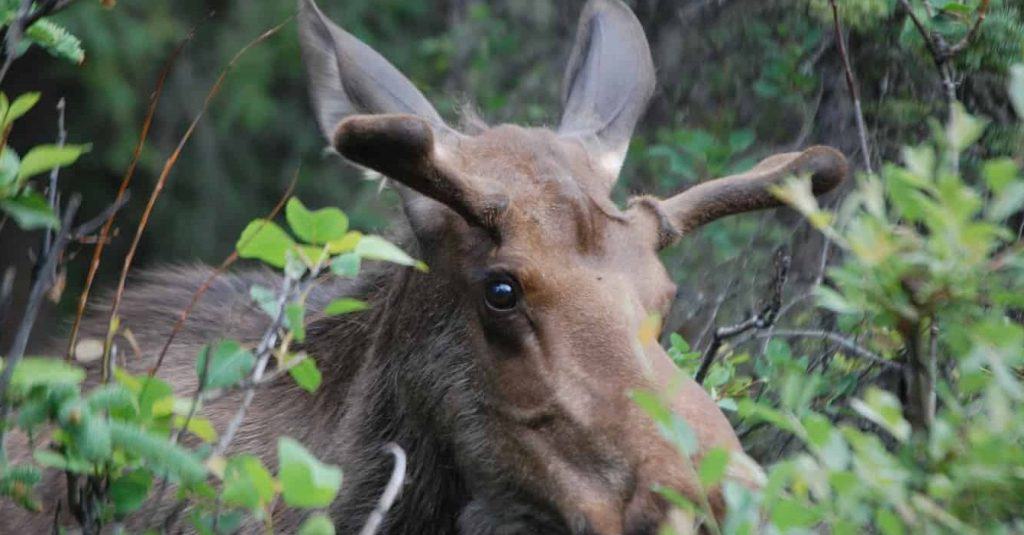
{"points": [[556, 281]]}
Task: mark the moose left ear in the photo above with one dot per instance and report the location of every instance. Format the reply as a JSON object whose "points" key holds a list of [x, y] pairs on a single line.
{"points": [[607, 84], [749, 191]]}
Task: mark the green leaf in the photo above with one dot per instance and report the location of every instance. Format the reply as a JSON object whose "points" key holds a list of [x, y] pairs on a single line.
{"points": [[129, 491], [316, 227], [56, 40], [198, 426], [884, 409], [229, 364], [265, 299], [311, 255], [30, 211], [675, 498], [964, 129], [999, 173], [9, 164], [305, 481], [1016, 88], [377, 248], [306, 374], [42, 158], [295, 314], [152, 391], [1007, 202], [19, 107], [264, 240], [247, 483], [36, 371], [346, 265], [317, 525], [345, 305], [888, 523], [345, 243], [53, 459], [712, 467], [788, 513]]}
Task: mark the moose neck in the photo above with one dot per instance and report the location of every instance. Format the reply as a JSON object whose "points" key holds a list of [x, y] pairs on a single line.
{"points": [[411, 385]]}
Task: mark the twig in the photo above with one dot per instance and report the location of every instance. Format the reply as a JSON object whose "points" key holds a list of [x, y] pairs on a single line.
{"points": [[103, 239], [187, 311], [6, 292], [158, 188], [51, 194], [761, 320], [858, 350], [851, 84], [13, 36], [264, 351], [942, 53], [42, 283], [387, 499]]}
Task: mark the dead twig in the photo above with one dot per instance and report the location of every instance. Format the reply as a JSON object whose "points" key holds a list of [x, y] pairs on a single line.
{"points": [[763, 319], [64, 236], [126, 180], [161, 183], [851, 85]]}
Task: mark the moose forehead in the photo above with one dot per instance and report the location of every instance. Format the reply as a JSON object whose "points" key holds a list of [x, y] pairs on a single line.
{"points": [[557, 194]]}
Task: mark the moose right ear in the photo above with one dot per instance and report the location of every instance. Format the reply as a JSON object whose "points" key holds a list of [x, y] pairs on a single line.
{"points": [[347, 77]]}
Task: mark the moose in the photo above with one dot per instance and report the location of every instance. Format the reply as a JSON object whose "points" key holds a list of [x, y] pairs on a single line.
{"points": [[505, 371]]}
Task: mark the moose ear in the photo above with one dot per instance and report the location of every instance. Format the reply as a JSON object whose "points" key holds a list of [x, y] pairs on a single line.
{"points": [[608, 82], [404, 148], [347, 77], [749, 191]]}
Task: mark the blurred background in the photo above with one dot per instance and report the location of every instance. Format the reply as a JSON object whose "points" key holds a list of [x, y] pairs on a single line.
{"points": [[738, 80]]}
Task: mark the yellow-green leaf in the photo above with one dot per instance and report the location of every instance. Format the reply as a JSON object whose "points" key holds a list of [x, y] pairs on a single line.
{"points": [[264, 240], [42, 158], [317, 226]]}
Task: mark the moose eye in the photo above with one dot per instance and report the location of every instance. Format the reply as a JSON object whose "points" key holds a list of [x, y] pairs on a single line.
{"points": [[500, 294]]}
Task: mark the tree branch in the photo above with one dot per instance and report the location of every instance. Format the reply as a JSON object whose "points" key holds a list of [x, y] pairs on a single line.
{"points": [[851, 84]]}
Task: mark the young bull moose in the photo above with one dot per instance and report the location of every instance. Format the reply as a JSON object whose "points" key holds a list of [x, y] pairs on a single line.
{"points": [[504, 372]]}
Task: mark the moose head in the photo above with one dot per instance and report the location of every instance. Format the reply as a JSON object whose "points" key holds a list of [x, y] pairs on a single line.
{"points": [[547, 279]]}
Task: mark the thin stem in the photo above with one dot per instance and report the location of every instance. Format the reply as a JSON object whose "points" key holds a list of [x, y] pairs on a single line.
{"points": [[126, 180], [851, 84], [161, 183], [846, 343]]}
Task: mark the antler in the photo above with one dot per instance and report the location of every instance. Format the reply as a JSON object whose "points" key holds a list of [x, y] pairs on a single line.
{"points": [[748, 191]]}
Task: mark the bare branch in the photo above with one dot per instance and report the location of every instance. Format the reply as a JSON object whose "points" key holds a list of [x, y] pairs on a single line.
{"points": [[851, 84], [126, 180], [762, 320], [162, 182], [846, 343], [973, 32]]}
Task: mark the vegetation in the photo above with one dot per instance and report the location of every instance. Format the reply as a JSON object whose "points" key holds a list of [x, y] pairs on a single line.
{"points": [[877, 375]]}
